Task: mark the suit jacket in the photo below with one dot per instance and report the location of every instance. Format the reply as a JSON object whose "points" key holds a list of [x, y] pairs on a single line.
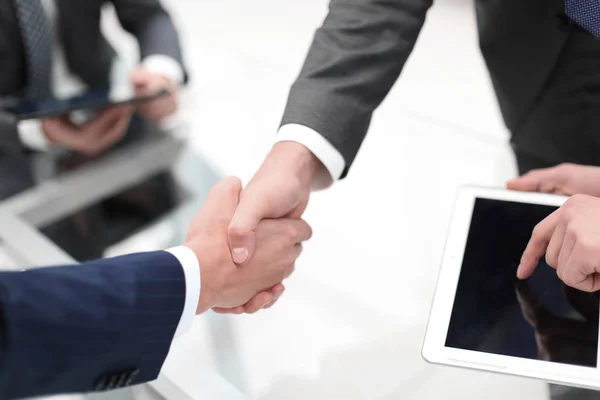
{"points": [[95, 326], [360, 50], [87, 52]]}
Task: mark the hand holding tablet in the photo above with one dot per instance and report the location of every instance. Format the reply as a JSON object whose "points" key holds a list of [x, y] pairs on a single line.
{"points": [[564, 179], [92, 137], [484, 317]]}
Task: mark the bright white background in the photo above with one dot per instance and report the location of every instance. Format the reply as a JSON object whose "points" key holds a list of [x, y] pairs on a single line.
{"points": [[351, 323]]}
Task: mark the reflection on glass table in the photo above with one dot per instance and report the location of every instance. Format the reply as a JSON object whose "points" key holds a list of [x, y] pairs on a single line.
{"points": [[86, 233]]}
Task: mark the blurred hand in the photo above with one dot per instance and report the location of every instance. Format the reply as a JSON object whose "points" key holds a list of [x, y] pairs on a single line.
{"points": [[224, 284], [562, 340], [93, 137], [565, 179], [570, 238], [145, 83], [280, 189]]}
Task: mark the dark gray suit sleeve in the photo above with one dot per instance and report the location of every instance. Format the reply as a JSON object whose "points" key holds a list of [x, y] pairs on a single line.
{"points": [[152, 25], [355, 58], [9, 133]]}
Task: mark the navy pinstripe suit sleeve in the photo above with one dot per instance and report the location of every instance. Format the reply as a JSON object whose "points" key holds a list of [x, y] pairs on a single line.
{"points": [[100, 325]]}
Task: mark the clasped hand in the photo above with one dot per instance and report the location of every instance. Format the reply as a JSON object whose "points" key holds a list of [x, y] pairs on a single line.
{"points": [[225, 284]]}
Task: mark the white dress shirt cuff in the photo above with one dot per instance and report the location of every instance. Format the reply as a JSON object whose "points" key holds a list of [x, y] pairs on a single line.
{"points": [[166, 66], [191, 271], [331, 158], [32, 135]]}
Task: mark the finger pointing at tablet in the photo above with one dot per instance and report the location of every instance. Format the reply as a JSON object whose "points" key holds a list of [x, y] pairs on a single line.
{"points": [[538, 244], [570, 238]]}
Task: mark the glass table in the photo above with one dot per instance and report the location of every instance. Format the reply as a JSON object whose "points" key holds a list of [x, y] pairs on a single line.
{"points": [[59, 197]]}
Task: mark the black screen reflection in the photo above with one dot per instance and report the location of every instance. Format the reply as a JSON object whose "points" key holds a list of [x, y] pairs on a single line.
{"points": [[494, 312]]}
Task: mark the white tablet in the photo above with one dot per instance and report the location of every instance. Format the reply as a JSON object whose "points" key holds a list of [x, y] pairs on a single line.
{"points": [[484, 318]]}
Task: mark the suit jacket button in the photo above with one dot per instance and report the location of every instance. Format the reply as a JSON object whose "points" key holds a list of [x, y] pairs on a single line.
{"points": [[123, 379], [113, 381], [101, 385], [132, 376]]}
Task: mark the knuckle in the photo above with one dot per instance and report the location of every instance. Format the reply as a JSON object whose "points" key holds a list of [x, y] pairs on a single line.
{"points": [[290, 232], [237, 232], [551, 260], [569, 281], [586, 244], [576, 199], [289, 270], [309, 231], [571, 231], [537, 232], [565, 166], [232, 184], [569, 205], [291, 259]]}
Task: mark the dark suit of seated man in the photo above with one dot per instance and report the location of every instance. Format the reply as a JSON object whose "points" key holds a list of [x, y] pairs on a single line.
{"points": [[50, 45], [57, 48], [110, 323]]}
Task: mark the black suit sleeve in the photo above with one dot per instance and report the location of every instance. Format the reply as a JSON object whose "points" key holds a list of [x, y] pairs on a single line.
{"points": [[91, 327], [152, 25], [355, 58], [9, 133]]}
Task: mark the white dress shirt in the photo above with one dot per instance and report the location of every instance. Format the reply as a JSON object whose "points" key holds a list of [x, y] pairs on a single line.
{"points": [[191, 270], [331, 158], [64, 84]]}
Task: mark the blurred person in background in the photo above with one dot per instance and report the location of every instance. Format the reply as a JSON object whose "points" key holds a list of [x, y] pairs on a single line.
{"points": [[46, 45]]}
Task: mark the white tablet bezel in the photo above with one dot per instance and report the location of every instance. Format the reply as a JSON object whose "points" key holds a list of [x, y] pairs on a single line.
{"points": [[434, 349]]}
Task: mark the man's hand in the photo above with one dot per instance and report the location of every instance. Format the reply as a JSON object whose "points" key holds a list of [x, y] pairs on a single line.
{"points": [[280, 189], [565, 179], [145, 83], [570, 238], [93, 137], [224, 284]]}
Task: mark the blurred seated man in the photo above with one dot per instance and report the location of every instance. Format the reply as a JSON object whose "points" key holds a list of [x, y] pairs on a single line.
{"points": [[109, 323], [46, 44]]}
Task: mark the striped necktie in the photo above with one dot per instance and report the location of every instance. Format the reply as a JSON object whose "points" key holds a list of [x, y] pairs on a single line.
{"points": [[586, 13], [38, 41]]}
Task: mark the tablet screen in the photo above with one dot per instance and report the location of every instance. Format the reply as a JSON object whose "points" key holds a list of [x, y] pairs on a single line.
{"points": [[539, 318]]}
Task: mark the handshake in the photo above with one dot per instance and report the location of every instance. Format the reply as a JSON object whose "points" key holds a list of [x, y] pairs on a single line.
{"points": [[231, 288]]}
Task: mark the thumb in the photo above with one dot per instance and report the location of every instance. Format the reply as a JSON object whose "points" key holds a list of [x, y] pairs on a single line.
{"points": [[242, 229]]}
